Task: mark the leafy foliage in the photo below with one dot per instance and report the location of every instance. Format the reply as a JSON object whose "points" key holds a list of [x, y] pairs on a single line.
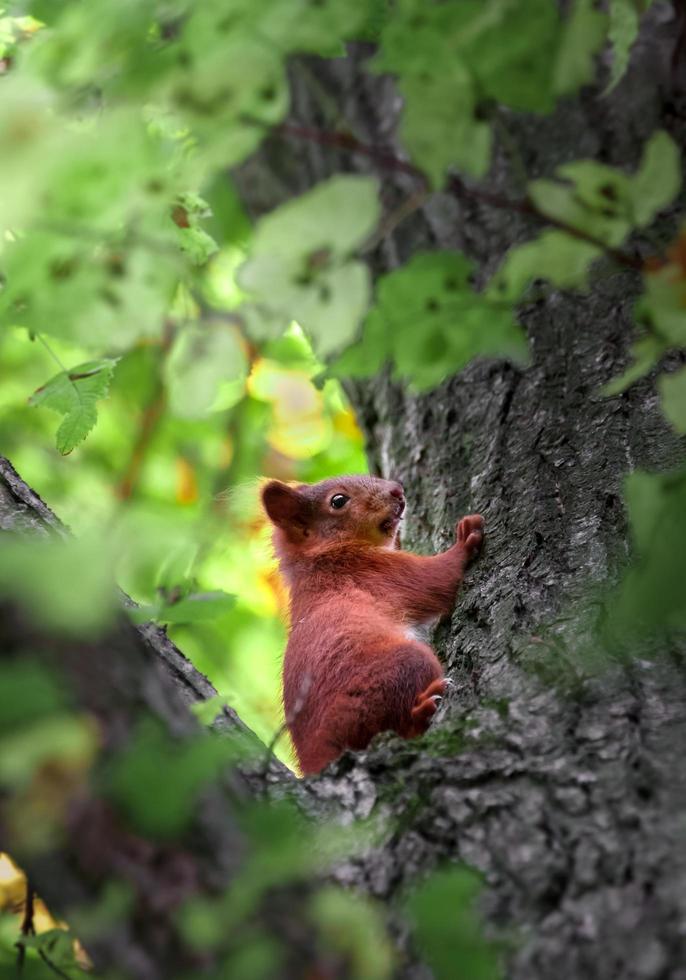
{"points": [[74, 394], [624, 22], [430, 322], [447, 926]]}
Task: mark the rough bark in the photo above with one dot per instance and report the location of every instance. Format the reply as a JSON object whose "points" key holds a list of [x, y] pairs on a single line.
{"points": [[562, 785]]}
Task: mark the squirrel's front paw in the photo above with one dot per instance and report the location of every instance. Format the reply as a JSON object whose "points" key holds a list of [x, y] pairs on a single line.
{"points": [[426, 706], [470, 534]]}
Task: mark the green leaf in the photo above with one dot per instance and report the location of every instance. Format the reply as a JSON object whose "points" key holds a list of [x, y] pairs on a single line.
{"points": [[439, 127], [429, 322], [25, 749], [198, 607], [353, 926], [300, 267], [300, 25], [662, 306], [658, 179], [194, 241], [646, 352], [589, 196], [74, 394], [582, 36], [555, 256], [623, 31], [65, 584], [58, 945], [91, 293], [448, 928], [650, 596], [450, 57], [673, 392], [27, 692], [139, 778], [205, 361]]}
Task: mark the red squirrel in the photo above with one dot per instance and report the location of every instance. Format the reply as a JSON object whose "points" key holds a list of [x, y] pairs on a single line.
{"points": [[353, 665]]}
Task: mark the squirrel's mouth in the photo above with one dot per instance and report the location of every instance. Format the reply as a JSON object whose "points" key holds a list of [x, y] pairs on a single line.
{"points": [[390, 523]]}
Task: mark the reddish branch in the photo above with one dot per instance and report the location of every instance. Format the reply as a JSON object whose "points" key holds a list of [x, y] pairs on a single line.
{"points": [[388, 160], [27, 925]]}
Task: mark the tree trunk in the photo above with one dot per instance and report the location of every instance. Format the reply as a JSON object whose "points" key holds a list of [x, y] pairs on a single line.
{"points": [[561, 783]]}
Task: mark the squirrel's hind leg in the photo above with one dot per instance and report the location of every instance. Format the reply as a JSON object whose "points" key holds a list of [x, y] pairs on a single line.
{"points": [[396, 691]]}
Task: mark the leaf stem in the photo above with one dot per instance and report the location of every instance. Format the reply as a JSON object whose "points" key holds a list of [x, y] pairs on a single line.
{"points": [[388, 159]]}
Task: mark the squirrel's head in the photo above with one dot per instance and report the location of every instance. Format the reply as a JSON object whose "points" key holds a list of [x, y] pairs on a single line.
{"points": [[347, 508]]}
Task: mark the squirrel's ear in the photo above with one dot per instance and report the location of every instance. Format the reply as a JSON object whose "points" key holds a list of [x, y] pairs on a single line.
{"points": [[285, 506]]}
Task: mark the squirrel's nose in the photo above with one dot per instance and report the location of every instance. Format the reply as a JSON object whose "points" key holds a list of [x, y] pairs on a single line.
{"points": [[396, 491]]}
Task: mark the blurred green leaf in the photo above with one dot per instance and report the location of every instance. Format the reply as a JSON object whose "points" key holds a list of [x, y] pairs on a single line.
{"points": [[448, 928], [606, 203], [649, 597], [646, 352], [74, 394], [673, 393], [193, 608], [22, 751], [352, 925], [589, 196], [57, 945], [658, 179], [66, 584], [429, 322], [623, 31], [554, 256], [582, 36], [662, 306], [158, 778], [204, 358], [27, 692], [440, 103], [300, 266]]}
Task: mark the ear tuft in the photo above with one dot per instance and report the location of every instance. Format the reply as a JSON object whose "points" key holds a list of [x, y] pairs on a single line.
{"points": [[285, 506]]}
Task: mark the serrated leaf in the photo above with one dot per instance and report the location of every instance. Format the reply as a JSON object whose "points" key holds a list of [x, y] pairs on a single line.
{"points": [[554, 256], [673, 393], [74, 394], [429, 323], [203, 359], [658, 179], [583, 34], [300, 269]]}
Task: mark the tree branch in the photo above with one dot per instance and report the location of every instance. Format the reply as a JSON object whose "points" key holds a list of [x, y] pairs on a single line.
{"points": [[388, 160]]}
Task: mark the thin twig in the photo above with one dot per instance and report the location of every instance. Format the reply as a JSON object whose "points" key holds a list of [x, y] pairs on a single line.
{"points": [[150, 419], [305, 686], [28, 927], [387, 159]]}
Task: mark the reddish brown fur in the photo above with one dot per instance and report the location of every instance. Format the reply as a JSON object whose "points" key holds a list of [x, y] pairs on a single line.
{"points": [[352, 666]]}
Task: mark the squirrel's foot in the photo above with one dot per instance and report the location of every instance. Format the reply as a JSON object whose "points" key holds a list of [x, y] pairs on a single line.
{"points": [[426, 706], [470, 534]]}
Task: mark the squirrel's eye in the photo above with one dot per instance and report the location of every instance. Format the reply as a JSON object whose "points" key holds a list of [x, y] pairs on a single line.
{"points": [[339, 500]]}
